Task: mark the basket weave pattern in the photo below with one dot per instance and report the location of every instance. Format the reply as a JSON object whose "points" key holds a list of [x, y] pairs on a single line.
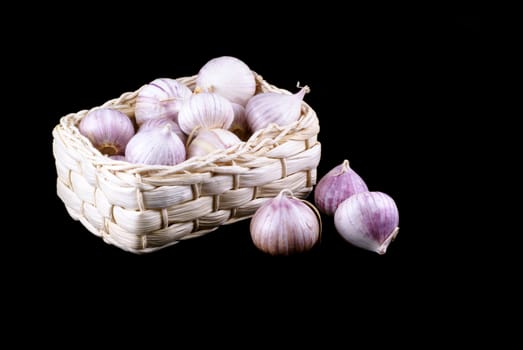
{"points": [[143, 208]]}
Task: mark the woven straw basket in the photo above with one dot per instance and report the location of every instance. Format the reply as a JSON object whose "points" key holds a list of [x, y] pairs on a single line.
{"points": [[143, 208]]}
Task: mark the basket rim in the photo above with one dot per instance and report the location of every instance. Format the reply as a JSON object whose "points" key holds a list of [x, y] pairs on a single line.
{"points": [[258, 144]]}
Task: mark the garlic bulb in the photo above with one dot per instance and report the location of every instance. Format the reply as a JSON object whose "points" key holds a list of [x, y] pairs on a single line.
{"points": [[285, 225], [108, 130], [368, 220], [158, 146], [162, 98], [336, 186], [239, 125], [210, 140], [271, 107], [228, 77], [161, 122], [207, 111]]}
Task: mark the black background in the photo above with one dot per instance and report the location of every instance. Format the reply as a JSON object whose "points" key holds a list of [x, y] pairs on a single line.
{"points": [[385, 87]]}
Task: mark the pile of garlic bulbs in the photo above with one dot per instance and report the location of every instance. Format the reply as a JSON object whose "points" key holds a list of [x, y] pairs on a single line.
{"points": [[286, 225], [173, 123]]}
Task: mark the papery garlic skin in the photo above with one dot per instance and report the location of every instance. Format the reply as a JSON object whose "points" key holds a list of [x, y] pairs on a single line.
{"points": [[207, 111], [368, 220], [239, 125], [159, 146], [161, 122], [109, 130], [229, 77], [117, 157], [162, 98], [337, 185], [285, 225], [210, 140], [271, 107]]}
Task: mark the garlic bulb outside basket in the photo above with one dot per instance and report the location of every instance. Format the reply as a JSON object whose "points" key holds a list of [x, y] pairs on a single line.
{"points": [[337, 185], [368, 220], [285, 225]]}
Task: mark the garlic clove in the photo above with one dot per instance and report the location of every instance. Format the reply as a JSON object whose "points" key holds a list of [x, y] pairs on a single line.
{"points": [[108, 130], [162, 98], [368, 220], [229, 77], [210, 140], [158, 146], [239, 125], [271, 107], [205, 110], [285, 225], [337, 185], [161, 122]]}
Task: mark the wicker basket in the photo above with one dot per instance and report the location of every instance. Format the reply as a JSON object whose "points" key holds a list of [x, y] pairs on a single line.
{"points": [[142, 208]]}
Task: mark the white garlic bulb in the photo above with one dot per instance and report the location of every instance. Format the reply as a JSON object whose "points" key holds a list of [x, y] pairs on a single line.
{"points": [[161, 122], [205, 110], [162, 98], [210, 140], [228, 77], [285, 225], [158, 146], [108, 130], [271, 107], [239, 125]]}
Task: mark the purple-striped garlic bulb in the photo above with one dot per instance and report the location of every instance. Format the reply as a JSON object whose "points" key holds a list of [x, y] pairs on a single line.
{"points": [[368, 220], [207, 111], [272, 107], [285, 225], [337, 185], [109, 130], [161, 122], [161, 98], [158, 146]]}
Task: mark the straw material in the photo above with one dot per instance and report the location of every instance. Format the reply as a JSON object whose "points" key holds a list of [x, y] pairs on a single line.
{"points": [[143, 208]]}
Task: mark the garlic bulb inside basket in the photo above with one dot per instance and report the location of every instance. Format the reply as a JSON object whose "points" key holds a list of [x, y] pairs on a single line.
{"points": [[229, 77], [161, 122], [271, 107], [210, 140], [108, 130], [158, 146], [205, 110], [162, 98]]}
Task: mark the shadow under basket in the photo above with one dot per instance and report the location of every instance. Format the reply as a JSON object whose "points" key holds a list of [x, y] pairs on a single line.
{"points": [[143, 208]]}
